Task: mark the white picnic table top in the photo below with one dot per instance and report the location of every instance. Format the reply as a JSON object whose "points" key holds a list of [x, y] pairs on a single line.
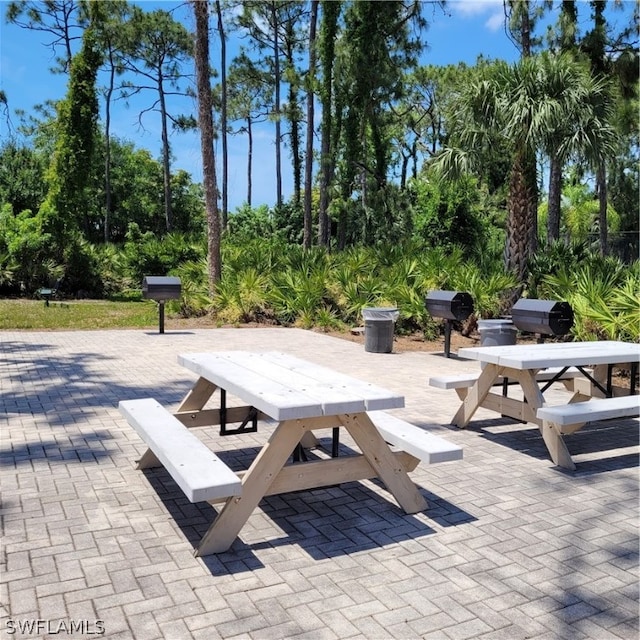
{"points": [[285, 387], [555, 354]]}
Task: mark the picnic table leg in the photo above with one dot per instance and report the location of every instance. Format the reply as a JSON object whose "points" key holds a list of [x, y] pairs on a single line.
{"points": [[556, 446], [476, 395], [198, 396], [550, 433], [383, 461], [148, 460], [255, 483]]}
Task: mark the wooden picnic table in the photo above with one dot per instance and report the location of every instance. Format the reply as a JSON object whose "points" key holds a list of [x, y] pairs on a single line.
{"points": [[300, 397], [523, 364]]}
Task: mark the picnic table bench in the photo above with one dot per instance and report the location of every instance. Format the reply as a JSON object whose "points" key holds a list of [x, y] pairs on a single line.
{"points": [[198, 471], [462, 382], [568, 418]]}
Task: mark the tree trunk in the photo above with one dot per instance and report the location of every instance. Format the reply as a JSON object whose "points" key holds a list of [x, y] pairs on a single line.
{"points": [[520, 244], [276, 73], [308, 169], [601, 182], [223, 115], [330, 13], [414, 158], [205, 119], [555, 193], [166, 157], [294, 120], [107, 149], [249, 160], [403, 171], [527, 161]]}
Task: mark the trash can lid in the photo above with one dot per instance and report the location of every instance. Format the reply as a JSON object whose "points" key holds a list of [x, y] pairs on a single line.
{"points": [[380, 313], [496, 323]]}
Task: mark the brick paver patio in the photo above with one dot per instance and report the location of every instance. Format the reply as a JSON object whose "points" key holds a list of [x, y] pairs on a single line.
{"points": [[510, 546]]}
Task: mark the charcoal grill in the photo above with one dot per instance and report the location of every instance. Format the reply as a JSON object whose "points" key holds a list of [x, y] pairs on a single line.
{"points": [[451, 306], [542, 317], [161, 289]]}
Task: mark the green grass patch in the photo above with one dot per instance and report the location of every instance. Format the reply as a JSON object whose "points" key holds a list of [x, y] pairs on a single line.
{"points": [[77, 314]]}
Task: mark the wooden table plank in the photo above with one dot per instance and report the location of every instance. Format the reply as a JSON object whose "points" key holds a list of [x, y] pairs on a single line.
{"points": [[273, 398], [299, 375], [555, 354], [285, 387], [374, 397]]}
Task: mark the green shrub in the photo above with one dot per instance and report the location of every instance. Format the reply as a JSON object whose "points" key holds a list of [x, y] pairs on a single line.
{"points": [[448, 214], [146, 254], [603, 294]]}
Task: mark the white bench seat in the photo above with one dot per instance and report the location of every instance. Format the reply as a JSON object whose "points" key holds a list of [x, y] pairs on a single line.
{"points": [[194, 467], [596, 409], [566, 419], [421, 444], [465, 380]]}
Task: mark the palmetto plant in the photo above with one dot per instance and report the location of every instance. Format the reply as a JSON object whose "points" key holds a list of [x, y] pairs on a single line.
{"points": [[241, 296], [264, 280], [438, 268], [7, 269], [625, 306], [264, 255], [194, 297], [351, 299], [488, 290], [604, 296], [413, 312], [327, 318], [113, 271], [306, 261], [294, 295]]}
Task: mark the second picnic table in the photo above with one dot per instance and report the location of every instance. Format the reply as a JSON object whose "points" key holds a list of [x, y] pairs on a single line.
{"points": [[589, 364]]}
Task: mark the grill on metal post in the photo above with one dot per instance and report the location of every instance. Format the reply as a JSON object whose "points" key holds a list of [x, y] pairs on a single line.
{"points": [[161, 289], [543, 317], [450, 305]]}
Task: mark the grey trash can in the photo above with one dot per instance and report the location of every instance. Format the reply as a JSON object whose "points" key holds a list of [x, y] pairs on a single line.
{"points": [[497, 332], [379, 323]]}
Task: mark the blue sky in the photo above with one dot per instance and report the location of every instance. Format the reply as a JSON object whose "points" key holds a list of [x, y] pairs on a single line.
{"points": [[466, 30]]}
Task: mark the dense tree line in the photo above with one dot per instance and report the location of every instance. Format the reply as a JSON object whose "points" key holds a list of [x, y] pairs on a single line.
{"points": [[448, 156]]}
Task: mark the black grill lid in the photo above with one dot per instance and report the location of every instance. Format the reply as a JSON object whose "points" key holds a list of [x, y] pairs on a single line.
{"points": [[451, 305], [550, 317]]}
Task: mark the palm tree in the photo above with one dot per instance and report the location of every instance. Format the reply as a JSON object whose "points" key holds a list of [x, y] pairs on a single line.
{"points": [[494, 111], [524, 108], [575, 121]]}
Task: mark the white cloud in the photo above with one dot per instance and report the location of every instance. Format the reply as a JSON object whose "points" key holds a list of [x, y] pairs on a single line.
{"points": [[495, 22], [490, 11], [471, 8]]}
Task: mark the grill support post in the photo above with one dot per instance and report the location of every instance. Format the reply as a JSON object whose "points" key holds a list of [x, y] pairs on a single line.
{"points": [[447, 338], [161, 315]]}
